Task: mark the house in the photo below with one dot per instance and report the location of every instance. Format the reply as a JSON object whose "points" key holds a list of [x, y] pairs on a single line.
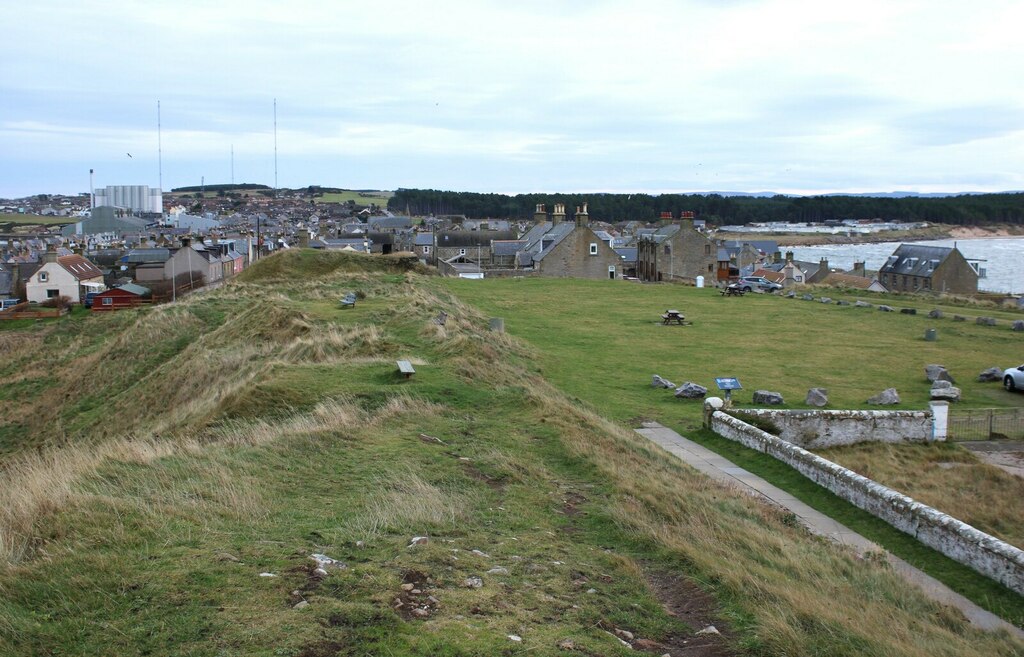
{"points": [[570, 250], [145, 265], [676, 252], [917, 268], [63, 276], [118, 298], [203, 267], [474, 243], [8, 289]]}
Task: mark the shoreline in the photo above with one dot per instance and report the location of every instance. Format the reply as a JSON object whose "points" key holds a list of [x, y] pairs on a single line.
{"points": [[937, 232]]}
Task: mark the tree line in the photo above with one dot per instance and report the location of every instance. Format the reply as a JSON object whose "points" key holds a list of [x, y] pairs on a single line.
{"points": [[967, 209]]}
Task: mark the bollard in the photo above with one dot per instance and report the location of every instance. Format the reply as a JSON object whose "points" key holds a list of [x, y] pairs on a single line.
{"points": [[930, 335], [498, 324]]}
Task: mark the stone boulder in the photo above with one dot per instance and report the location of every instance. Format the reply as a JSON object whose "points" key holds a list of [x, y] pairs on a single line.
{"points": [[842, 302], [768, 397], [1018, 325], [938, 373], [951, 393], [791, 294], [808, 297], [985, 321], [862, 304], [658, 382], [935, 314], [991, 374], [825, 300], [691, 390], [887, 397], [941, 385], [885, 309], [908, 311], [959, 318], [817, 397]]}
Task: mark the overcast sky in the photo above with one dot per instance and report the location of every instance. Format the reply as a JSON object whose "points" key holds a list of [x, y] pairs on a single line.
{"points": [[553, 95]]}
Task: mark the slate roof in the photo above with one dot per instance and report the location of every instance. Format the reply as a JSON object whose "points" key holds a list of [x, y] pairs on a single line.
{"points": [[848, 280], [764, 246], [423, 239], [553, 238], [79, 267], [915, 260], [140, 256], [507, 247], [627, 253], [464, 238], [6, 283], [137, 290]]}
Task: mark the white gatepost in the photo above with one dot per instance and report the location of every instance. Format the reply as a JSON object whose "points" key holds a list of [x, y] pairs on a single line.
{"points": [[940, 419]]}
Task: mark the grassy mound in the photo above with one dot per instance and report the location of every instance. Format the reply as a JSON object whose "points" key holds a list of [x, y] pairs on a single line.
{"points": [[185, 523]]}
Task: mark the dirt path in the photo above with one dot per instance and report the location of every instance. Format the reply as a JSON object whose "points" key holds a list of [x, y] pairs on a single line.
{"points": [[1005, 454]]}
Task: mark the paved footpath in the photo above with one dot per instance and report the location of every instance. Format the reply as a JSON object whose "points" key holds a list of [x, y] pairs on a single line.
{"points": [[725, 471]]}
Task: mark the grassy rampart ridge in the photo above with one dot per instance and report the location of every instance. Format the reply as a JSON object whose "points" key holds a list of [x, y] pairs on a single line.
{"points": [[298, 437]]}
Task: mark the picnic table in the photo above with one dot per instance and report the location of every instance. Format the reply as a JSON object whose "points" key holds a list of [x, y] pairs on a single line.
{"points": [[732, 290], [672, 316]]}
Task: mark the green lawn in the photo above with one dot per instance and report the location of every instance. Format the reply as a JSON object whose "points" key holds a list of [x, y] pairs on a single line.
{"points": [[360, 198], [32, 219]]}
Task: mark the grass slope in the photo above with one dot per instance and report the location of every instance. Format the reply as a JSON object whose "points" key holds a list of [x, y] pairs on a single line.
{"points": [[238, 432]]}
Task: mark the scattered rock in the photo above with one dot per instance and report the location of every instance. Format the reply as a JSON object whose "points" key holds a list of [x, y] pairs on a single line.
{"points": [[959, 318], [267, 575], [319, 573], [691, 390], [473, 583], [768, 397], [991, 374], [946, 394], [408, 587], [420, 612], [825, 300], [567, 644], [817, 397], [591, 591], [360, 544], [908, 311], [419, 540], [710, 629], [937, 373], [224, 556], [935, 314], [648, 645], [861, 304], [1018, 325], [480, 553], [625, 634], [808, 297], [431, 439], [842, 302], [301, 605], [985, 321], [515, 637], [941, 385], [498, 571], [327, 563], [658, 382], [885, 309], [791, 294], [887, 397]]}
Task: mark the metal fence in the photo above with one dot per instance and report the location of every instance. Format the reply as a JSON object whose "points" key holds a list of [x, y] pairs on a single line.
{"points": [[986, 424]]}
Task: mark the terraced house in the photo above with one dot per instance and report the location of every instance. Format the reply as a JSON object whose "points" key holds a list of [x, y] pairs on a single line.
{"points": [[916, 268]]}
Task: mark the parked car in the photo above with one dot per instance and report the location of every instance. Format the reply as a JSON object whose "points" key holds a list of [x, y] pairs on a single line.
{"points": [[1013, 378], [748, 283]]}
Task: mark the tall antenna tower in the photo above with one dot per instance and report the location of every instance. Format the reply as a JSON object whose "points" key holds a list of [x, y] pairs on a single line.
{"points": [[159, 150], [275, 147]]}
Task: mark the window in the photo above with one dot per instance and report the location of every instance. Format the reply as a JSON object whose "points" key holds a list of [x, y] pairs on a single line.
{"points": [[52, 293], [668, 249], [426, 250], [108, 301], [611, 271], [593, 248], [707, 249], [43, 277], [462, 251]]}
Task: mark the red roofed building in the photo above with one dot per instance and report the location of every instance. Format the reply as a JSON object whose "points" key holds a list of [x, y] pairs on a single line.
{"points": [[63, 276]]}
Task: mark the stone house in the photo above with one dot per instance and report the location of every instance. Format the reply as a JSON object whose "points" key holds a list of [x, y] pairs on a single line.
{"points": [[570, 250], [194, 259], [676, 252], [917, 268], [63, 276]]}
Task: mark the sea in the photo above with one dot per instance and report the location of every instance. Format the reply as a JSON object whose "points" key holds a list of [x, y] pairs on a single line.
{"points": [[1002, 258]]}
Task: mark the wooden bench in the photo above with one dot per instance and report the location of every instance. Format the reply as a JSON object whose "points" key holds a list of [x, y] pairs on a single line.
{"points": [[349, 300], [405, 367]]}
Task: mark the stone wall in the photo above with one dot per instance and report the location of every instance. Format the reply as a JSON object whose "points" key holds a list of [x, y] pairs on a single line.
{"points": [[818, 429], [957, 540]]}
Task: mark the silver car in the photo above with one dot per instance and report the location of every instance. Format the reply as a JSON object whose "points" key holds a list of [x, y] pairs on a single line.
{"points": [[758, 283], [1013, 378]]}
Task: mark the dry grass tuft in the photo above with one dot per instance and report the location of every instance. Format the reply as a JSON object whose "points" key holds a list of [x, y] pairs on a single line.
{"points": [[402, 501]]}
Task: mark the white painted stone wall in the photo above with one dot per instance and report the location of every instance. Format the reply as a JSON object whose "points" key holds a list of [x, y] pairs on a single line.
{"points": [[818, 429], [957, 540]]}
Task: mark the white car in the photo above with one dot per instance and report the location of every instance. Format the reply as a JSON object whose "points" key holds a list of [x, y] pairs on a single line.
{"points": [[1013, 378]]}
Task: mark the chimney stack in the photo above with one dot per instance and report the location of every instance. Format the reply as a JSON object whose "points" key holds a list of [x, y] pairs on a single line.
{"points": [[789, 257], [558, 216], [541, 214], [582, 218], [50, 255]]}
